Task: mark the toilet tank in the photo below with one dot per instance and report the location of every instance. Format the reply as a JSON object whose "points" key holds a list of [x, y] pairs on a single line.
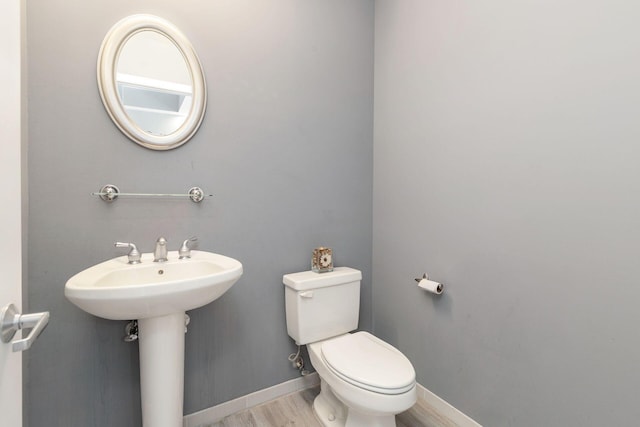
{"points": [[322, 305]]}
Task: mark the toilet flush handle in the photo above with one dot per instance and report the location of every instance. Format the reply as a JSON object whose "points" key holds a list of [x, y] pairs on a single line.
{"points": [[306, 294]]}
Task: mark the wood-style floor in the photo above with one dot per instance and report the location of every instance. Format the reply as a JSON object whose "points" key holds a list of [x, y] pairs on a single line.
{"points": [[295, 410]]}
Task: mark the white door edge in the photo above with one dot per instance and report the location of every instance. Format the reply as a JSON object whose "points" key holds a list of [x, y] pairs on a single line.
{"points": [[10, 212]]}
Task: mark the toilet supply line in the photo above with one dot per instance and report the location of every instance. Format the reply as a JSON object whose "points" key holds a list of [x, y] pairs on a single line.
{"points": [[297, 361]]}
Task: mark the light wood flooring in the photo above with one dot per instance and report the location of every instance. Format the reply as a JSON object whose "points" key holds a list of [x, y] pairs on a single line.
{"points": [[295, 410]]}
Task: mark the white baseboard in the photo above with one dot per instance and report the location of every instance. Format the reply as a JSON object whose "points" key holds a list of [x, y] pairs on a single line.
{"points": [[445, 409], [218, 412]]}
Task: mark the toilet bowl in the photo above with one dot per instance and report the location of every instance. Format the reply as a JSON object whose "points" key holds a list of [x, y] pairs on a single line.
{"points": [[364, 382]]}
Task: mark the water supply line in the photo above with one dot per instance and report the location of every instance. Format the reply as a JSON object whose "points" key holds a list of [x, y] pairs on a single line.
{"points": [[297, 361], [131, 329]]}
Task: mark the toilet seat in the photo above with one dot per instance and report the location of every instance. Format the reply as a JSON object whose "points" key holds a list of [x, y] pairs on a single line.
{"points": [[369, 363]]}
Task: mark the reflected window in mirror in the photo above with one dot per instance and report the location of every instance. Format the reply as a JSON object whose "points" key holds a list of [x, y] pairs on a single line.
{"points": [[154, 83]]}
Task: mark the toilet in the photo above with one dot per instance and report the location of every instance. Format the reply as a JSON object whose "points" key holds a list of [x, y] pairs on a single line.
{"points": [[364, 382]]}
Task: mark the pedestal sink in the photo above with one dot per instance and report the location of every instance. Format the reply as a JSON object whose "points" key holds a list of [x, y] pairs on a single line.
{"points": [[157, 295]]}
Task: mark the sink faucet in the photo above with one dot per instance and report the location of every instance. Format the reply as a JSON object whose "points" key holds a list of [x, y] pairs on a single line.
{"points": [[160, 253]]}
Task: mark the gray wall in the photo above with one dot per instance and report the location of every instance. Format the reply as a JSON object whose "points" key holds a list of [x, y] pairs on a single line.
{"points": [[285, 147], [506, 164]]}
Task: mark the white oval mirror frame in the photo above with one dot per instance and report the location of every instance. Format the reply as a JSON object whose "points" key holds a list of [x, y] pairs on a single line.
{"points": [[108, 57]]}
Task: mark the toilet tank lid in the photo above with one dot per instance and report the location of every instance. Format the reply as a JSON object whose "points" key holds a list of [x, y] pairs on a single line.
{"points": [[306, 280]]}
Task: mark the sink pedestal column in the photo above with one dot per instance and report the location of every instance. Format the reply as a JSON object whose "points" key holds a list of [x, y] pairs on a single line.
{"points": [[161, 342]]}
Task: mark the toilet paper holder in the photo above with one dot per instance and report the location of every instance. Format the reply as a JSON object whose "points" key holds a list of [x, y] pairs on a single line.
{"points": [[430, 285]]}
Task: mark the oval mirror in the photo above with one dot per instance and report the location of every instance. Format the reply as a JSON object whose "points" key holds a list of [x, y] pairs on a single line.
{"points": [[151, 82]]}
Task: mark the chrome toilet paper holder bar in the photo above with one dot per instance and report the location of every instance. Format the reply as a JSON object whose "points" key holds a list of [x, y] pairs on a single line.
{"points": [[425, 283]]}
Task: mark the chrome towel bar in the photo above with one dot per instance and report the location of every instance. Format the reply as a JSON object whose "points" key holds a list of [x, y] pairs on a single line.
{"points": [[110, 192]]}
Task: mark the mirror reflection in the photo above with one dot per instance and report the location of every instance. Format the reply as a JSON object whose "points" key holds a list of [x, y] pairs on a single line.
{"points": [[154, 83]]}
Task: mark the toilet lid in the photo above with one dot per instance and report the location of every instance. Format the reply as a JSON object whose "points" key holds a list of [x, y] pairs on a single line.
{"points": [[369, 363]]}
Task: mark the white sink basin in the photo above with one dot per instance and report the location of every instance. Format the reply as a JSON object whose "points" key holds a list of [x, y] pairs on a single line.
{"points": [[117, 290], [157, 295]]}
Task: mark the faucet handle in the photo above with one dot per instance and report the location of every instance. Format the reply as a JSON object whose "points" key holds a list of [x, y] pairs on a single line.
{"points": [[134, 254], [185, 250]]}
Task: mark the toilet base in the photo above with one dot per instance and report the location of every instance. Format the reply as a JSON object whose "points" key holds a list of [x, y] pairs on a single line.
{"points": [[331, 412], [328, 409]]}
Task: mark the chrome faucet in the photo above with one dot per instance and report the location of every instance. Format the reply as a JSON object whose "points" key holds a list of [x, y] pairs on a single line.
{"points": [[160, 253], [134, 253], [185, 250]]}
